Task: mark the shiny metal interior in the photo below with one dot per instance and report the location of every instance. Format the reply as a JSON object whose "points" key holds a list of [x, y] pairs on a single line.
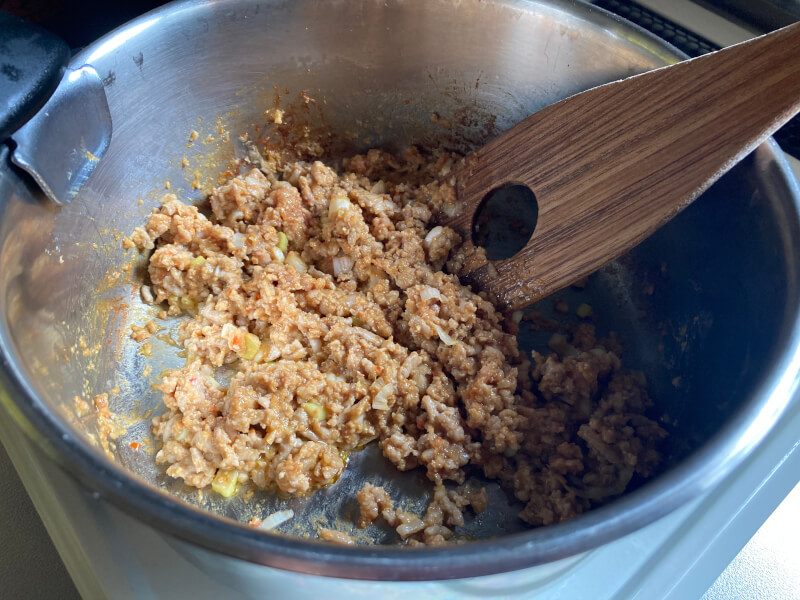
{"points": [[707, 307], [60, 146]]}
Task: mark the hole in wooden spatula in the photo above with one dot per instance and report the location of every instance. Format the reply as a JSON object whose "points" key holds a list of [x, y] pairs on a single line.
{"points": [[505, 220]]}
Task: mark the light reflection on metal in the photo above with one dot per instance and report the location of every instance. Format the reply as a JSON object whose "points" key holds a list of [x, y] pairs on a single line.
{"points": [[63, 143]]}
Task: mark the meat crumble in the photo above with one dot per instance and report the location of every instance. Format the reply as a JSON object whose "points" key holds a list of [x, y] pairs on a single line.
{"points": [[318, 319]]}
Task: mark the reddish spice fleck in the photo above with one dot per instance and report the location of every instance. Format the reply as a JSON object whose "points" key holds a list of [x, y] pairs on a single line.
{"points": [[135, 445]]}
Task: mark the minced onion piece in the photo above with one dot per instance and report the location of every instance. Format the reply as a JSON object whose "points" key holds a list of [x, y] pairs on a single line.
{"points": [[273, 354], [429, 293], [315, 411], [251, 346], [516, 316], [333, 379], [433, 234], [188, 305], [278, 255], [413, 526], [420, 378], [443, 335], [283, 241], [259, 357], [339, 202], [294, 176], [378, 203], [276, 519], [293, 258], [147, 294], [368, 335], [316, 344], [450, 209], [381, 399], [238, 240], [224, 482], [183, 434], [342, 264]]}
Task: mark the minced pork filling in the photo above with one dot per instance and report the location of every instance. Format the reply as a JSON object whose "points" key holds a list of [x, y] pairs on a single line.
{"points": [[322, 294]]}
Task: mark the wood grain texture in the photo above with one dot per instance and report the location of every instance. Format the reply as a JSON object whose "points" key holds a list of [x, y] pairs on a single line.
{"points": [[611, 165]]}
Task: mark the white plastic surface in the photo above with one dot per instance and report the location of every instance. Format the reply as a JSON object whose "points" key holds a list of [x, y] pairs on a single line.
{"points": [[768, 566], [108, 554]]}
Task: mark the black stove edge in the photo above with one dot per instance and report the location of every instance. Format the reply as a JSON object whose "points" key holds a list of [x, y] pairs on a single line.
{"points": [[788, 137]]}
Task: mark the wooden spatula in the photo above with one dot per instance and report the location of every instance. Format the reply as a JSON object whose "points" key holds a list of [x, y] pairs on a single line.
{"points": [[611, 165]]}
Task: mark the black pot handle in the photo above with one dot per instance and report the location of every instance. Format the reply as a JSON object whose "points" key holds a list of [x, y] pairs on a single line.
{"points": [[32, 62]]}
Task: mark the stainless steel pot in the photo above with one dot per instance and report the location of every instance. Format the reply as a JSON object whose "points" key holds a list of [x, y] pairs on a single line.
{"points": [[708, 307]]}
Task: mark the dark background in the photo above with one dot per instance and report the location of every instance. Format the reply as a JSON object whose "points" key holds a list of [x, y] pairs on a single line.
{"points": [[79, 23]]}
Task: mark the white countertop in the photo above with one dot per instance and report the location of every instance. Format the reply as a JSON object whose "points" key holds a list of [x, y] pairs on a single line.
{"points": [[769, 565]]}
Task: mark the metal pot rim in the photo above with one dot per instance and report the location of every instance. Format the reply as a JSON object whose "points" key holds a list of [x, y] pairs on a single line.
{"points": [[705, 468]]}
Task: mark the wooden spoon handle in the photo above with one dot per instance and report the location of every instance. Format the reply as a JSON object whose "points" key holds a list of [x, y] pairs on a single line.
{"points": [[610, 165]]}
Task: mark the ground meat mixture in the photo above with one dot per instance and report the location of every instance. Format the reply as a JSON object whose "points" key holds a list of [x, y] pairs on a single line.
{"points": [[335, 536], [320, 320], [435, 527]]}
